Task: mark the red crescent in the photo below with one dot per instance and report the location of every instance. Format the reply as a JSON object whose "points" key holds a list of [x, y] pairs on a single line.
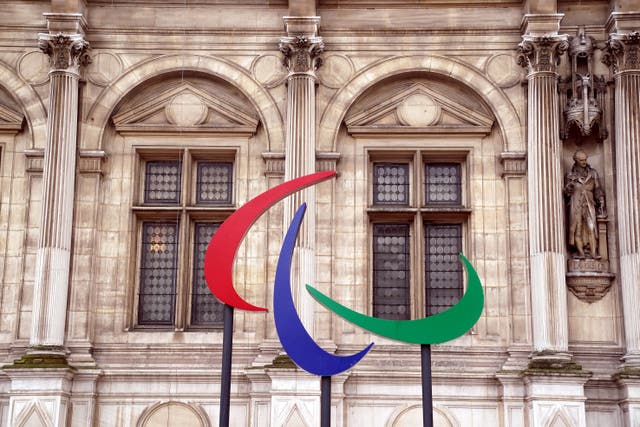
{"points": [[218, 260]]}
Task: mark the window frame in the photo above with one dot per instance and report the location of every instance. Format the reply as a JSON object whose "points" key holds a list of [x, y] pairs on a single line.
{"points": [[187, 213], [418, 213]]}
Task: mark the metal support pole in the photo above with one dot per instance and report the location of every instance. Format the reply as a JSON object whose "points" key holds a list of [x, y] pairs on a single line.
{"points": [[427, 394], [325, 401], [225, 383]]}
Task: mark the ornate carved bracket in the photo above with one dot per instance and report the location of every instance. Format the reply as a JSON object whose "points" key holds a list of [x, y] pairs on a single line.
{"points": [[541, 53], [582, 94], [302, 54], [66, 52], [621, 53]]}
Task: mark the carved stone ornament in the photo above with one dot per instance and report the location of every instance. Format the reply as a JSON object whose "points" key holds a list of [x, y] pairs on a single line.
{"points": [[543, 53], [582, 94], [301, 54], [621, 53], [66, 52]]}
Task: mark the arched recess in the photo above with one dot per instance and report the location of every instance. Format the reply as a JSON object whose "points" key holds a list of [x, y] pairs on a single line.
{"points": [[30, 103], [493, 96], [167, 414], [264, 104], [412, 416]]}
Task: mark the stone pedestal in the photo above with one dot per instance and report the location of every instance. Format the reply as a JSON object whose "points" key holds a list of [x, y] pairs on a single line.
{"points": [[540, 54], [39, 396], [555, 399], [629, 399]]}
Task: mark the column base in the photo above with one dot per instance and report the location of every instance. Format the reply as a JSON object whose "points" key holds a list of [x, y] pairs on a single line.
{"points": [[543, 361], [40, 360]]}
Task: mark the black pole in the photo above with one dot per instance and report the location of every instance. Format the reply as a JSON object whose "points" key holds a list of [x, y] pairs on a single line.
{"points": [[325, 401], [225, 384], [427, 395]]}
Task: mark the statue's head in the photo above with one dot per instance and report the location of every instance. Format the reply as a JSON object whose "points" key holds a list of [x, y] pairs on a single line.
{"points": [[580, 158]]}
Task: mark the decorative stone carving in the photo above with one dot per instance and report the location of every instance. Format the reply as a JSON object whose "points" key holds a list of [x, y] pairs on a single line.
{"points": [[186, 109], [66, 52], [267, 70], [543, 53], [104, 68], [582, 94], [585, 196], [34, 67], [503, 70], [336, 71], [621, 52], [418, 109], [302, 54]]}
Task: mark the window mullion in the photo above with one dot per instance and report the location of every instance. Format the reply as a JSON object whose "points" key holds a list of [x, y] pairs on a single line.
{"points": [[182, 287]]}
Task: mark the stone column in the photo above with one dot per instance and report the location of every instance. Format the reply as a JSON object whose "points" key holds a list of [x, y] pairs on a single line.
{"points": [[540, 55], [622, 56], [67, 53], [301, 48]]}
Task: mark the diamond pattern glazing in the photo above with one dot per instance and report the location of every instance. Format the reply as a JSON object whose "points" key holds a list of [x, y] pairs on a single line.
{"points": [[162, 181], [205, 308], [214, 182], [158, 273], [443, 244], [443, 184], [391, 271], [391, 184]]}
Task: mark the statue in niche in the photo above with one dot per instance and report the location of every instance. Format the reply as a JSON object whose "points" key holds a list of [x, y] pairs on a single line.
{"points": [[586, 200]]}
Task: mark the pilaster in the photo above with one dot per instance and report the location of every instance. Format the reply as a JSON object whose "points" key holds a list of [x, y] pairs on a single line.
{"points": [[301, 48], [622, 56], [540, 56]]}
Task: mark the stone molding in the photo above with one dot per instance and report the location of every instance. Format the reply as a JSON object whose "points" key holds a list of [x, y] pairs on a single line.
{"points": [[513, 163], [541, 53], [621, 52], [301, 54], [10, 120], [66, 52]]}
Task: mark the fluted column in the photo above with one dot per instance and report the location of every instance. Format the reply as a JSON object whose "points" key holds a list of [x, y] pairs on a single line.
{"points": [[540, 54], [301, 49], [622, 57], [67, 53]]}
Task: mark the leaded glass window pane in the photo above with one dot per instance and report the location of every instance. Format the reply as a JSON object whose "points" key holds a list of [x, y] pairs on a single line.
{"points": [[391, 184], [205, 308], [443, 269], [162, 181], [443, 184], [391, 271], [158, 273], [214, 182]]}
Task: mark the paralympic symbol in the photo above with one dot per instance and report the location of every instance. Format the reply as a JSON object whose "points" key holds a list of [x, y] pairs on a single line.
{"points": [[295, 340]]}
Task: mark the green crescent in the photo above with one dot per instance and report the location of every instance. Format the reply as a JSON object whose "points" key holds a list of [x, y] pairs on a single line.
{"points": [[435, 329]]}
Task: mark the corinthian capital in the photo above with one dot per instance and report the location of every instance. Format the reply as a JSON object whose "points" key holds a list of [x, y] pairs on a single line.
{"points": [[541, 53], [621, 53], [302, 54], [66, 52]]}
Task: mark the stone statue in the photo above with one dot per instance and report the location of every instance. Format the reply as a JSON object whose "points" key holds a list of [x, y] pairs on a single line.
{"points": [[585, 196]]}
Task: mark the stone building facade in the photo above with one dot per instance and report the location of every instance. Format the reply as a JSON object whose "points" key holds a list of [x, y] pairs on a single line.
{"points": [[130, 129]]}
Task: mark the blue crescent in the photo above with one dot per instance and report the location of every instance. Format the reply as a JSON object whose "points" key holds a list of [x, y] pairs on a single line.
{"points": [[295, 339]]}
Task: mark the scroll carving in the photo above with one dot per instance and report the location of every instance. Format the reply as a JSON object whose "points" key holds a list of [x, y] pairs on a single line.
{"points": [[66, 52], [539, 54], [621, 52], [302, 54]]}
